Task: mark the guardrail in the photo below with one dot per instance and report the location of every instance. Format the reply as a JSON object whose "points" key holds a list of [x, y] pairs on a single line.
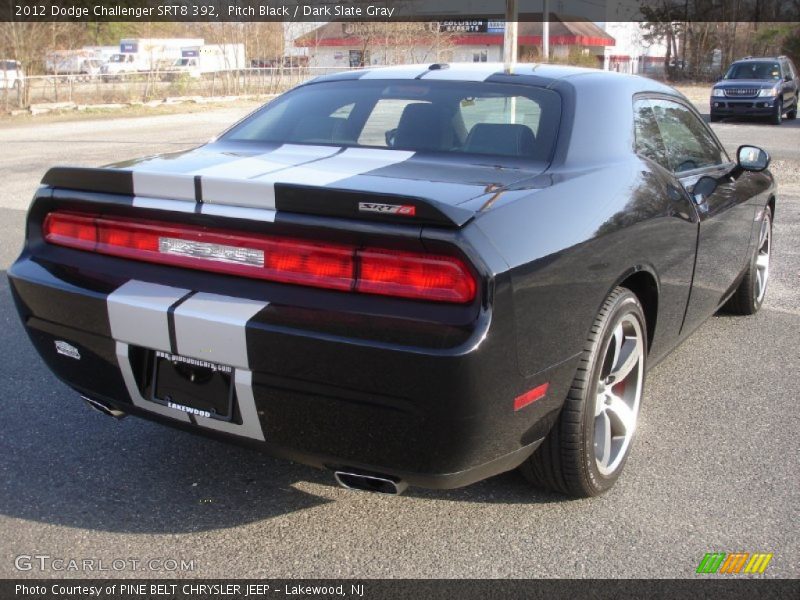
{"points": [[154, 85]]}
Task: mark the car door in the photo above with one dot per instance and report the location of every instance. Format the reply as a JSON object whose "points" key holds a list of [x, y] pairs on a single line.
{"points": [[790, 84], [724, 213]]}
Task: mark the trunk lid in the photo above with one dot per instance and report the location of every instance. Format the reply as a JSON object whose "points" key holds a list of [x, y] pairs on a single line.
{"points": [[362, 183]]}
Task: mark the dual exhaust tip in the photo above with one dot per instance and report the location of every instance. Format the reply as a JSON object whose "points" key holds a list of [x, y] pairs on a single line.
{"points": [[370, 483], [103, 408], [347, 479]]}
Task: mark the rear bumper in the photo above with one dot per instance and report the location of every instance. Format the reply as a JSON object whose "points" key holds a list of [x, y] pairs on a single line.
{"points": [[749, 107], [430, 405]]}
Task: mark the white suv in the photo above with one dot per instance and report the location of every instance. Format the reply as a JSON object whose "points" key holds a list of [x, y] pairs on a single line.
{"points": [[11, 75]]}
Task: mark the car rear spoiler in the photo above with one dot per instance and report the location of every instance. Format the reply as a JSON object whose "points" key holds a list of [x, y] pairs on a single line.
{"points": [[281, 197]]}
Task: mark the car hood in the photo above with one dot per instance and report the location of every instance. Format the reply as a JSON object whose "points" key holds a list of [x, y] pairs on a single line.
{"points": [[260, 178]]}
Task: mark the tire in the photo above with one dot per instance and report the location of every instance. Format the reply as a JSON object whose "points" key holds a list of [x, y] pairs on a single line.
{"points": [[749, 295], [574, 459], [714, 118], [792, 114], [777, 117]]}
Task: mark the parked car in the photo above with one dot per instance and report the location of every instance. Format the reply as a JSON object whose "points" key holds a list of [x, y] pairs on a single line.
{"points": [[757, 87], [420, 275], [11, 74]]}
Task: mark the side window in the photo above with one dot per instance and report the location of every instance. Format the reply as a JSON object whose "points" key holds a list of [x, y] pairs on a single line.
{"points": [[689, 143], [648, 141], [788, 69]]}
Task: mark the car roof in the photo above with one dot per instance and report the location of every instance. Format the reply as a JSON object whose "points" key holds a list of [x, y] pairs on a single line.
{"points": [[760, 59], [539, 74], [586, 94]]}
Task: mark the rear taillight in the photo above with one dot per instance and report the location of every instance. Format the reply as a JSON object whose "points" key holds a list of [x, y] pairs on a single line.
{"points": [[405, 273], [320, 264]]}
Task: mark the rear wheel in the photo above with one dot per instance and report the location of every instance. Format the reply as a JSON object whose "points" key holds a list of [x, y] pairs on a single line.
{"points": [[777, 116], [588, 446], [749, 296]]}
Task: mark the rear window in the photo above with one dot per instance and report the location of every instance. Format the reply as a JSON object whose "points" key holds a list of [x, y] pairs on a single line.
{"points": [[513, 121]]}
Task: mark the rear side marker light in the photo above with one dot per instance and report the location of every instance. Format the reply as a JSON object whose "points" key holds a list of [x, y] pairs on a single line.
{"points": [[343, 267], [530, 397]]}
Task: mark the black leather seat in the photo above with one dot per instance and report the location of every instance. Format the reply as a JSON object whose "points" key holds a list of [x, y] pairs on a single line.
{"points": [[503, 139], [423, 126]]}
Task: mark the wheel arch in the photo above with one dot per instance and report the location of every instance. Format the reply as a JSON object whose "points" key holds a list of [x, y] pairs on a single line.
{"points": [[644, 284]]}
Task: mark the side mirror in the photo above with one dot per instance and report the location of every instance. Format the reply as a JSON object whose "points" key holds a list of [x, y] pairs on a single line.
{"points": [[704, 187], [752, 158]]}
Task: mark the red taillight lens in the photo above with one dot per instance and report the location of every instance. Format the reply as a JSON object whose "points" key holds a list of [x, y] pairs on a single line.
{"points": [[320, 264], [76, 231], [414, 275]]}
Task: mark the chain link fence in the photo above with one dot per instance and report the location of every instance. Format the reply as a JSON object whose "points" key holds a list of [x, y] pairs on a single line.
{"points": [[153, 85]]}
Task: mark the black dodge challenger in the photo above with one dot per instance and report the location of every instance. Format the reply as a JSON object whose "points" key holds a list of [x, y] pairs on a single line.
{"points": [[418, 275]]}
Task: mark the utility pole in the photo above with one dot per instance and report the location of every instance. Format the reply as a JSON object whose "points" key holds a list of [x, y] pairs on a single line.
{"points": [[510, 40], [510, 35], [546, 31]]}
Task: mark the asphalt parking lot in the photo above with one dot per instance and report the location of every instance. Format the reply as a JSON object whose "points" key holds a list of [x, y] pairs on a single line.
{"points": [[714, 468]]}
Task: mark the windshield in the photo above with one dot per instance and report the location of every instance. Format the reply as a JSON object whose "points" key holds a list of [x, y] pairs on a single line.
{"points": [[422, 116], [754, 70]]}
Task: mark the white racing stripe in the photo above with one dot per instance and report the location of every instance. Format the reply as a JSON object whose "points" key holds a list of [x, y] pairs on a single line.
{"points": [[287, 155], [165, 204], [239, 212], [208, 327], [251, 424], [468, 72], [238, 192], [176, 186], [236, 183], [137, 313], [259, 192], [399, 72], [212, 327], [351, 162]]}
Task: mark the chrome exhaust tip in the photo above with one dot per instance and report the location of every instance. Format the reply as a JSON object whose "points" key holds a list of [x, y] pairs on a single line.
{"points": [[370, 483], [103, 408]]}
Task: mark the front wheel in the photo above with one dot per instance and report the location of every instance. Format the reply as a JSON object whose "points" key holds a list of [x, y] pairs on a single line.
{"points": [[588, 446], [749, 296], [777, 116]]}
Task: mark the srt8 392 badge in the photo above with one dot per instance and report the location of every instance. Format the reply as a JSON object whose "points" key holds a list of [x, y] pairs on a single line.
{"points": [[407, 210]]}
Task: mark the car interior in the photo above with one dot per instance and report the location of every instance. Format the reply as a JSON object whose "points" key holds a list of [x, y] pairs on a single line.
{"points": [[415, 118]]}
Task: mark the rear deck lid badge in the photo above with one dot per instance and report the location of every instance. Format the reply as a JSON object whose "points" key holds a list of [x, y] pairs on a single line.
{"points": [[66, 349], [406, 210]]}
